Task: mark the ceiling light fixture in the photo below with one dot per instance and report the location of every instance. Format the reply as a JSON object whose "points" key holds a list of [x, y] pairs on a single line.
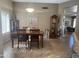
{"points": [[29, 10]]}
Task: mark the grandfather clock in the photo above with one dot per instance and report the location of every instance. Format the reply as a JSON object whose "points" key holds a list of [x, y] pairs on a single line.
{"points": [[53, 26]]}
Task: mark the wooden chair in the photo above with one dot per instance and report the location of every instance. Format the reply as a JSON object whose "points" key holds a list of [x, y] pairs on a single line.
{"points": [[21, 36], [35, 38], [34, 30], [25, 27]]}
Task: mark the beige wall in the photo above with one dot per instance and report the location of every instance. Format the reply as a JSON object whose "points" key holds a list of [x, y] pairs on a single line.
{"points": [[42, 15], [1, 41], [77, 30], [4, 5], [77, 23]]}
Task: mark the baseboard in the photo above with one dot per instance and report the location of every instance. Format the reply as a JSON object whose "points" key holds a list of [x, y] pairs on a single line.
{"points": [[1, 56]]}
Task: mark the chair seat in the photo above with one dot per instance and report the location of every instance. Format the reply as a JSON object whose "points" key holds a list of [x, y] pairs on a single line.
{"points": [[23, 37]]}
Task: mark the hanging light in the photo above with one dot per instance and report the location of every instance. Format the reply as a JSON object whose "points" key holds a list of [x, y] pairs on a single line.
{"points": [[29, 10]]}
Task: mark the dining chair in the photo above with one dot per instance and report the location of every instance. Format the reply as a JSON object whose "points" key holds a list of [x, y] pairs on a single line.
{"points": [[34, 37], [35, 40], [34, 30], [22, 37], [25, 27]]}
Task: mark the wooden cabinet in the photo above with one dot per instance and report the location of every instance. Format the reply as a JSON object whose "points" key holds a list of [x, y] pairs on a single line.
{"points": [[53, 26]]}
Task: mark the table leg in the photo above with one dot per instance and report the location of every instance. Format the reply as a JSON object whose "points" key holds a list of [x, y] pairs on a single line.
{"points": [[12, 43], [42, 40], [29, 41], [18, 43], [39, 42]]}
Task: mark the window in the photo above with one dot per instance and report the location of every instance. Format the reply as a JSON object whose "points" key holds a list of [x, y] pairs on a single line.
{"points": [[5, 22], [32, 21]]}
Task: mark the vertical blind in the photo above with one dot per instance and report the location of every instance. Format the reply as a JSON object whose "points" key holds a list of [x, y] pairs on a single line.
{"points": [[5, 22]]}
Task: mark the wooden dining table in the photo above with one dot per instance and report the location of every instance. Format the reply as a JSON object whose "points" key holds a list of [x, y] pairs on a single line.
{"points": [[29, 34]]}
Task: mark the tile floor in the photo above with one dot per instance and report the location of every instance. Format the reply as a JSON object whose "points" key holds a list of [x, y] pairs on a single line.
{"points": [[53, 48]]}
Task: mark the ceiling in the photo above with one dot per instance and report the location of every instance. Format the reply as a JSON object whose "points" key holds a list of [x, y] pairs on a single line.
{"points": [[42, 1]]}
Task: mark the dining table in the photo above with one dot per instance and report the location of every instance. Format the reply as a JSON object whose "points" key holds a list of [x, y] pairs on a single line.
{"points": [[29, 34]]}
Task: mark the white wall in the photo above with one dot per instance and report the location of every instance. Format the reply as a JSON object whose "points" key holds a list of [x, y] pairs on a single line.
{"points": [[61, 13], [65, 5], [4, 5], [42, 15], [61, 9]]}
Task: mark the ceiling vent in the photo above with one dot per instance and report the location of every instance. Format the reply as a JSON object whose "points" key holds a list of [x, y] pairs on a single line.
{"points": [[44, 7]]}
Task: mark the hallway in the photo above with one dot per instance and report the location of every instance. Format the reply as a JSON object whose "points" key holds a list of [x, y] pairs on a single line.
{"points": [[53, 48]]}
